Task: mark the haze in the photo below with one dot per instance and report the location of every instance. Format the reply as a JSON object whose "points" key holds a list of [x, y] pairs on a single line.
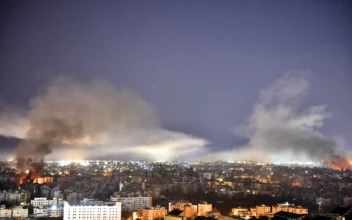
{"points": [[195, 74]]}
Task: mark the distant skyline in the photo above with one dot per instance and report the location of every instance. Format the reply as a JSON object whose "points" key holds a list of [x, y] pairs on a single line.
{"points": [[200, 64]]}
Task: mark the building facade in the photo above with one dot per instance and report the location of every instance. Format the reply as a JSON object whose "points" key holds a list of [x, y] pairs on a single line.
{"points": [[289, 208], [20, 211], [179, 205], [106, 211], [133, 203], [5, 213], [190, 211], [262, 210], [39, 202], [14, 196], [41, 212], [203, 208], [55, 211], [239, 211], [153, 213]]}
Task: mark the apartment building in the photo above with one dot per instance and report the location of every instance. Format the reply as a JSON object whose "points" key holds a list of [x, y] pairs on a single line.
{"points": [[105, 211]]}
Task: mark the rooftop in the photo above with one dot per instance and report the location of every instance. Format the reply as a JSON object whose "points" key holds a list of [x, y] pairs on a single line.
{"points": [[286, 215], [341, 210], [175, 212]]}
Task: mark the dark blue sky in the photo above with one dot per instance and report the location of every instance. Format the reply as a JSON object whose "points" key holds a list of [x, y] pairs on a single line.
{"points": [[200, 63]]}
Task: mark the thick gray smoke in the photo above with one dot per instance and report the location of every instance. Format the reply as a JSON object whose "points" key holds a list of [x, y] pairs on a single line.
{"points": [[96, 116], [277, 130]]}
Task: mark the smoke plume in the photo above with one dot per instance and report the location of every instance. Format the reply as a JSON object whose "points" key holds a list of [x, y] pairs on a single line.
{"points": [[95, 117], [278, 130]]}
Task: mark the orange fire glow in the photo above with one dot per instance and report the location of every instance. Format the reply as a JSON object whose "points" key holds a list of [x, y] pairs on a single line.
{"points": [[28, 177], [341, 164], [296, 183]]}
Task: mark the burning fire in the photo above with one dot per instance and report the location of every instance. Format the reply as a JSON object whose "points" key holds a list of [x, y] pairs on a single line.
{"points": [[28, 176], [341, 164]]}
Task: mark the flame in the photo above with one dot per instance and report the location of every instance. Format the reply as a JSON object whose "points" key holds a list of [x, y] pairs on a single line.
{"points": [[28, 176], [20, 182], [341, 164]]}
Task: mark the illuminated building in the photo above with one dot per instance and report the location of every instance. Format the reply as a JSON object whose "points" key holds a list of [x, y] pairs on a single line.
{"points": [[20, 211], [41, 212], [203, 208], [43, 202], [239, 211], [298, 210], [48, 211], [286, 207], [55, 211], [5, 213], [153, 213], [262, 210], [190, 211], [42, 180], [106, 211], [179, 205]]}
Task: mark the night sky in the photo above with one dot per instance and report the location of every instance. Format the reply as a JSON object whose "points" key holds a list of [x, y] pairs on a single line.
{"points": [[201, 64]]}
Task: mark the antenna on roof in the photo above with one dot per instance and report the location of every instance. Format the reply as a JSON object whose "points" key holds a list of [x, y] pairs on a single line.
{"points": [[319, 204]]}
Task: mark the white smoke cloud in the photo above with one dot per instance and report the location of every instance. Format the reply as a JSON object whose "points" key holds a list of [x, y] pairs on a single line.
{"points": [[13, 122], [277, 130], [97, 117]]}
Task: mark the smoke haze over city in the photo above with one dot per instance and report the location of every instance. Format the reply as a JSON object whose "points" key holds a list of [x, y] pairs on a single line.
{"points": [[176, 80], [176, 109], [95, 120]]}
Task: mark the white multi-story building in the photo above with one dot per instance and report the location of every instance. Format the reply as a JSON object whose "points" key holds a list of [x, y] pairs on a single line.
{"points": [[133, 203], [13, 196], [55, 211], [5, 213], [106, 211], [20, 211], [41, 212], [52, 211], [39, 202]]}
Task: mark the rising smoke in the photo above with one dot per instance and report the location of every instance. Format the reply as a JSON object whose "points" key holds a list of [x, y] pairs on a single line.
{"points": [[278, 130], [97, 117]]}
